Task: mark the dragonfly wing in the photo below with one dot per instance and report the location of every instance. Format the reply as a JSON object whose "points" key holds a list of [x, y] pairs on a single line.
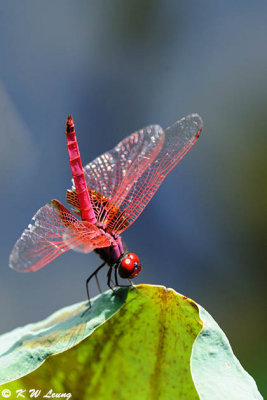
{"points": [[126, 177], [113, 173], [55, 231], [178, 140]]}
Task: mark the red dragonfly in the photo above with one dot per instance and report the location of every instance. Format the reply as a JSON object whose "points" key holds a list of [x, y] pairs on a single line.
{"points": [[108, 194]]}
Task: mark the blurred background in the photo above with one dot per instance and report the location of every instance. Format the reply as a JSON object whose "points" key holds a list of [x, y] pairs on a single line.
{"points": [[117, 67]]}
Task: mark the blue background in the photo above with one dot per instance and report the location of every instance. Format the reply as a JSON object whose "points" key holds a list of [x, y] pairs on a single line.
{"points": [[117, 67]]}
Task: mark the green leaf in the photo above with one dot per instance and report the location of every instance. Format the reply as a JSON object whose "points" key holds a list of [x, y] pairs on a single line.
{"points": [[150, 343], [216, 371], [25, 349]]}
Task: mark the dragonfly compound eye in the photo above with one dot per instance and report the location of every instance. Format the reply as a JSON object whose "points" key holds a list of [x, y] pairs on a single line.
{"points": [[129, 266]]}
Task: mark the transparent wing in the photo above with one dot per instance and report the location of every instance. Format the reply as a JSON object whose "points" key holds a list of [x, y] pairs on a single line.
{"points": [[123, 164], [178, 140], [122, 181], [55, 231], [129, 159]]}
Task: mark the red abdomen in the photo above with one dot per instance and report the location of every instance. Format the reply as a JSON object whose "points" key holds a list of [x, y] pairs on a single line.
{"points": [[87, 212]]}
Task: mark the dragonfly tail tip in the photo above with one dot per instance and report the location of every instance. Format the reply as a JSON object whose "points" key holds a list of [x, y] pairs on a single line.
{"points": [[69, 119], [198, 133]]}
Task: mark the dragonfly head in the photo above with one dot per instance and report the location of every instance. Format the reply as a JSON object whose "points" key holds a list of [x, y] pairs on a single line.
{"points": [[129, 266]]}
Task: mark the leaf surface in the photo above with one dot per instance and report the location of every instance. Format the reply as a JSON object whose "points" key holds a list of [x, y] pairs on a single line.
{"points": [[150, 343]]}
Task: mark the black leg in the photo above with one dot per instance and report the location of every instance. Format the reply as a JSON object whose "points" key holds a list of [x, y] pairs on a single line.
{"points": [[109, 278], [116, 276], [116, 279], [126, 285], [98, 284], [90, 277]]}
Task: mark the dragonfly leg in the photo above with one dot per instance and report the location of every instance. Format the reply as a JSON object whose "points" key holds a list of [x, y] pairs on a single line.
{"points": [[98, 284], [116, 276], [109, 278], [90, 277], [131, 285], [117, 282]]}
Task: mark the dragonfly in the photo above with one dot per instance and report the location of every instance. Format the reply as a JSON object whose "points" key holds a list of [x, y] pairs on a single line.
{"points": [[107, 196]]}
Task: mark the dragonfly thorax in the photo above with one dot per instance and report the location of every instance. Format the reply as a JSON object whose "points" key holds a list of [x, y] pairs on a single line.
{"points": [[129, 266]]}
